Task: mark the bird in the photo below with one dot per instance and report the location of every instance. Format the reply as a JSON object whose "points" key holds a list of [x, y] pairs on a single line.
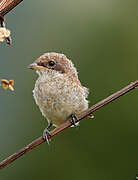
{"points": [[58, 91]]}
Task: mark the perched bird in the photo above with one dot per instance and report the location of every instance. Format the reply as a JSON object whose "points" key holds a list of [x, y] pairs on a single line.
{"points": [[58, 91]]}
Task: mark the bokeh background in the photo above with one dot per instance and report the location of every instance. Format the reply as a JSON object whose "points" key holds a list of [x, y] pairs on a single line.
{"points": [[101, 38]]}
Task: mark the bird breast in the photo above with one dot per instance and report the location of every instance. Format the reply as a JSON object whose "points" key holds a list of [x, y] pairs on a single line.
{"points": [[58, 97]]}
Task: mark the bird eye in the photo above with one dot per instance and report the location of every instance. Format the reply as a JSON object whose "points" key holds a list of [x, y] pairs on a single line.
{"points": [[51, 63]]}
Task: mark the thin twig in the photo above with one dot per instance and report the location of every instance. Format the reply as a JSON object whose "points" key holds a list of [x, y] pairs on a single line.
{"points": [[67, 124], [7, 5]]}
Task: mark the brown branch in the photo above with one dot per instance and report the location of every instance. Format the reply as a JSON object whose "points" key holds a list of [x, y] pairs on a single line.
{"points": [[67, 124], [7, 5]]}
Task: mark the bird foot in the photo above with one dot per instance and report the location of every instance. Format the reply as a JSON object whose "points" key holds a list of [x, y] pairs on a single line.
{"points": [[91, 116], [46, 135], [74, 120]]}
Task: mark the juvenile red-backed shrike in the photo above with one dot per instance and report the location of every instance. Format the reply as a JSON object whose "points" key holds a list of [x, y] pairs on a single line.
{"points": [[58, 91]]}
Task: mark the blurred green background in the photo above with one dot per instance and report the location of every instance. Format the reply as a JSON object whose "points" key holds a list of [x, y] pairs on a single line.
{"points": [[101, 38]]}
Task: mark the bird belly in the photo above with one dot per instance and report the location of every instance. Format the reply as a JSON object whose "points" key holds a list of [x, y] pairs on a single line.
{"points": [[58, 101], [57, 109], [56, 112]]}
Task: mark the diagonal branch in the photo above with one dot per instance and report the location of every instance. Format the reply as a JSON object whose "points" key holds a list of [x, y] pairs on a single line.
{"points": [[67, 124], [7, 5]]}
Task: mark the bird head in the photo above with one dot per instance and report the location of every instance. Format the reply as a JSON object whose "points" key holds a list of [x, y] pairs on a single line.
{"points": [[53, 62]]}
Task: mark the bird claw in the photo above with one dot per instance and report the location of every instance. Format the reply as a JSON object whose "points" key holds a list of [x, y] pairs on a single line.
{"points": [[46, 135], [74, 120], [91, 116]]}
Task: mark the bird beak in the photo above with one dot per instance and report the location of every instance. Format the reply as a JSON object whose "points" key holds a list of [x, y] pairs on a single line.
{"points": [[35, 66]]}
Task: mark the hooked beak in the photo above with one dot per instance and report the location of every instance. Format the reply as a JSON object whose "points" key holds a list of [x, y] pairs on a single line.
{"points": [[35, 66]]}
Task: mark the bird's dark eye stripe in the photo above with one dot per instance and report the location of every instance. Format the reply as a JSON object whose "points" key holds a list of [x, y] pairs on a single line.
{"points": [[42, 64], [51, 63], [45, 64]]}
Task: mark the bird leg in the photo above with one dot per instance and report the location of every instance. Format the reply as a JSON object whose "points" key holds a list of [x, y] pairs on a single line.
{"points": [[46, 132], [73, 120]]}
